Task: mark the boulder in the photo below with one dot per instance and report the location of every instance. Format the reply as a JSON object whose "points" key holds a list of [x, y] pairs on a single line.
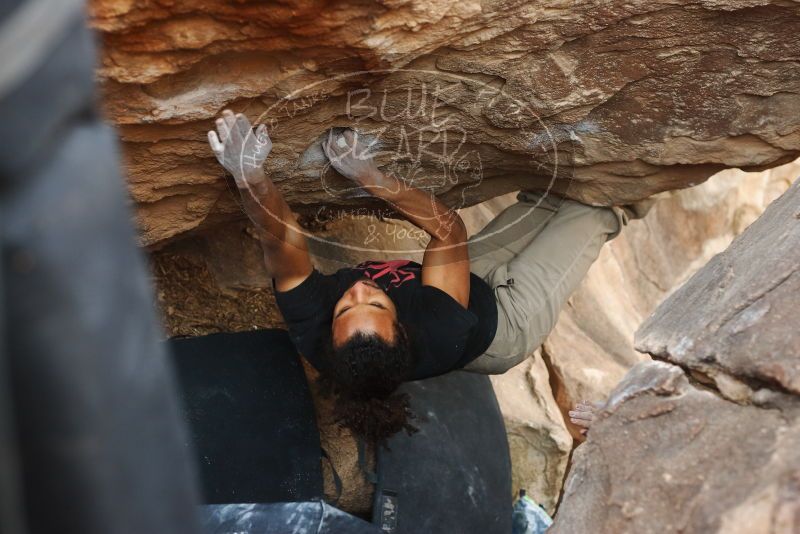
{"points": [[666, 456], [734, 321], [720, 454], [608, 103], [592, 345]]}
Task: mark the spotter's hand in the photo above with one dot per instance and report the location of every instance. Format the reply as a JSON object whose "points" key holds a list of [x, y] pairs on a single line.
{"points": [[239, 150], [351, 157]]}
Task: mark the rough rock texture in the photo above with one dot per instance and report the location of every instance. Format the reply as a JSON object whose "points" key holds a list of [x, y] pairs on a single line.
{"points": [[667, 457], [626, 99], [591, 347], [671, 455], [736, 319]]}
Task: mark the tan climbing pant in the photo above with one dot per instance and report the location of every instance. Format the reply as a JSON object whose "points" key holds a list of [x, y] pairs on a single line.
{"points": [[533, 255]]}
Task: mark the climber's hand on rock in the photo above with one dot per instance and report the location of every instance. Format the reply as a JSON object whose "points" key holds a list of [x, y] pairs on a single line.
{"points": [[239, 150], [584, 414], [351, 157]]}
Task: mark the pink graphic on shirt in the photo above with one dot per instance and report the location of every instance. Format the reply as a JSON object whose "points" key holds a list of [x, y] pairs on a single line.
{"points": [[389, 273]]}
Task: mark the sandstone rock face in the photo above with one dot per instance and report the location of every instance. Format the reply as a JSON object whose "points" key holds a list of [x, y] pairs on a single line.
{"points": [[609, 102], [592, 345], [667, 457], [736, 319]]}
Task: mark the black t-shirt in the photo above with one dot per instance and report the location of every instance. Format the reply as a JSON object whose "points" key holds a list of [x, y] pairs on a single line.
{"points": [[444, 335]]}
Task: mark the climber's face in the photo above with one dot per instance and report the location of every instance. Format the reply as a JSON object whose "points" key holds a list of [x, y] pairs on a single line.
{"points": [[364, 307]]}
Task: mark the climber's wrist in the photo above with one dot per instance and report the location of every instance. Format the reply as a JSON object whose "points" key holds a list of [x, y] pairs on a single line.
{"points": [[252, 179], [375, 180]]}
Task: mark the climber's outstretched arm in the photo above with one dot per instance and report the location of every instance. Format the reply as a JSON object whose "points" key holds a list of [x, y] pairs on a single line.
{"points": [[242, 153], [446, 261]]}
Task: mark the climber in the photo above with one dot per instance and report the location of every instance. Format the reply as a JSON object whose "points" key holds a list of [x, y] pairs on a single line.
{"points": [[482, 304]]}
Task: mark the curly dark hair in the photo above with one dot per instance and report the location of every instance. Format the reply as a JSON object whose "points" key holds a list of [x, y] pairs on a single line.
{"points": [[363, 375]]}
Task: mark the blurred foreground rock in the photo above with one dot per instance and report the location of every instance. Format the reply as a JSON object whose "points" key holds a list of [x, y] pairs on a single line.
{"points": [[723, 454]]}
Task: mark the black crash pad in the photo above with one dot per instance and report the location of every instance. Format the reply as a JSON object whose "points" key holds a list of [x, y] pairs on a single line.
{"points": [[454, 475], [251, 418]]}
